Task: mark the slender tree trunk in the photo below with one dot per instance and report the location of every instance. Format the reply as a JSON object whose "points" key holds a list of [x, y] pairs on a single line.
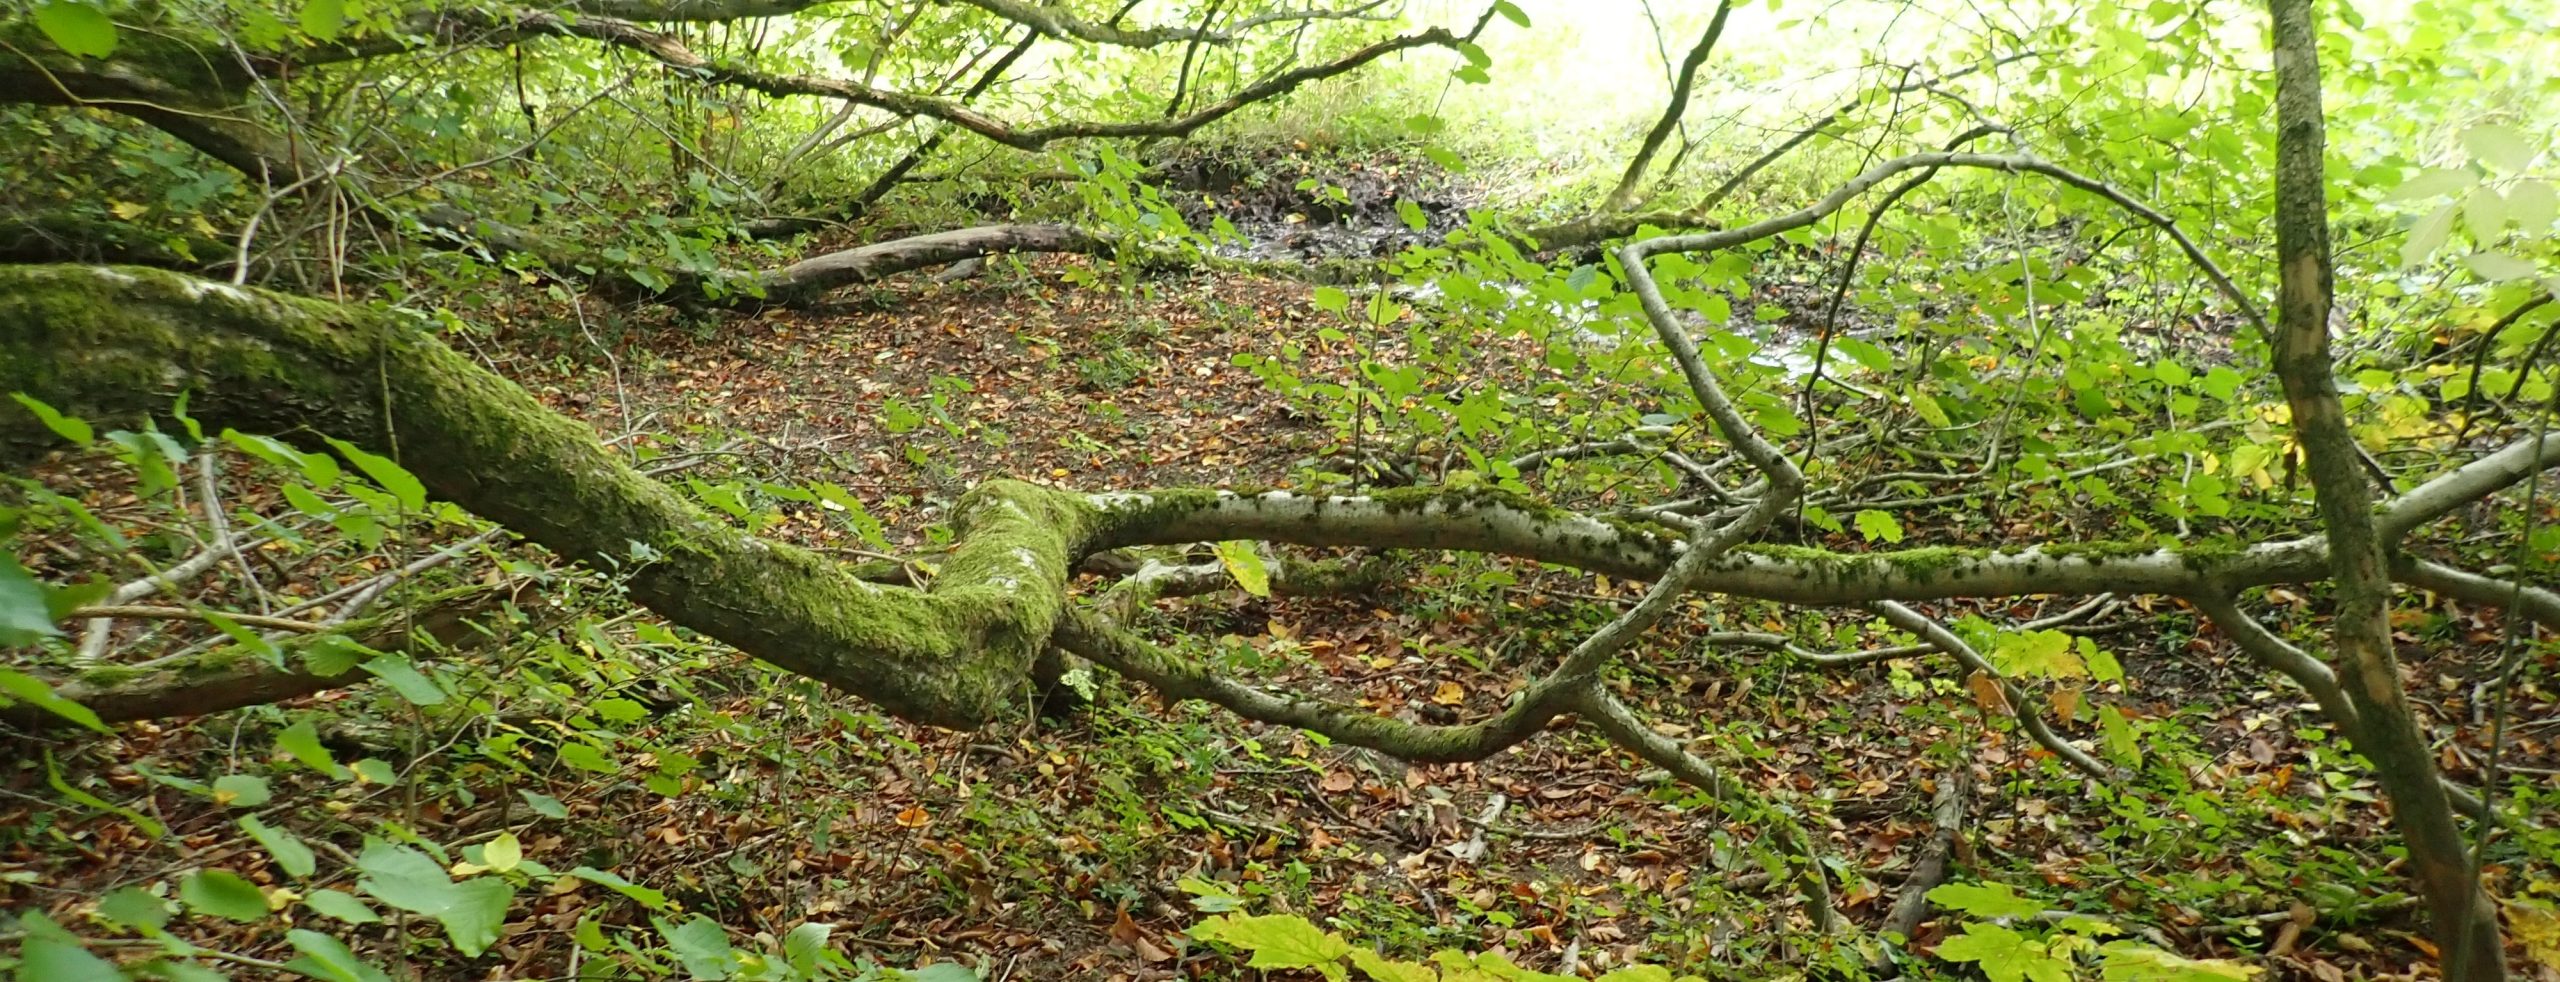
{"points": [[2466, 926]]}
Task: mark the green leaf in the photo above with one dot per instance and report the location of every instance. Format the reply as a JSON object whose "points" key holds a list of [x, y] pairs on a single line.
{"points": [[393, 477], [224, 894], [545, 805], [2131, 961], [241, 791], [342, 906], [944, 972], [69, 428], [24, 616], [1875, 525], [302, 743], [2434, 182], [1380, 969], [2484, 214], [34, 692], [376, 770], [503, 853], [405, 678], [646, 897], [135, 908], [1511, 12], [1276, 940], [702, 945], [322, 18], [325, 957], [2427, 236], [2037, 654], [289, 852], [78, 28], [44, 959], [1984, 900], [2118, 734], [588, 757], [53, 778], [1928, 409], [2102, 663], [470, 910], [805, 945], [2003, 955], [619, 710], [2498, 267], [1245, 564], [1332, 299], [2499, 146], [2532, 205], [1412, 214]]}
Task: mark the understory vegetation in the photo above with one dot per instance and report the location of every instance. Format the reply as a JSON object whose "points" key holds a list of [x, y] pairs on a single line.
{"points": [[1388, 489]]}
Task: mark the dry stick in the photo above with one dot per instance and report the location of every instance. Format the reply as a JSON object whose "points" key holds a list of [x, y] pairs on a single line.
{"points": [[1824, 122], [2032, 721], [208, 496], [1620, 196], [190, 614], [1946, 814]]}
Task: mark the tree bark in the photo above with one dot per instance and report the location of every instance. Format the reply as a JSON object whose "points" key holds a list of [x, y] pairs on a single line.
{"points": [[2466, 927]]}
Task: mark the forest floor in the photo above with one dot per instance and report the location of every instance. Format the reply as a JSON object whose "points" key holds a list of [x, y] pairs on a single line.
{"points": [[1081, 849]]}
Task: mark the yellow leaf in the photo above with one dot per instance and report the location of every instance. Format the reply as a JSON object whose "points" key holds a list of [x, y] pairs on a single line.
{"points": [[128, 210], [1449, 694]]}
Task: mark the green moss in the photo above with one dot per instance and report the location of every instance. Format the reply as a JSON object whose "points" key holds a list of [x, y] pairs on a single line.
{"points": [[109, 676]]}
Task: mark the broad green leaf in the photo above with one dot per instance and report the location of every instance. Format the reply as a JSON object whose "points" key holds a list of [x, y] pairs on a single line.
{"points": [[70, 428], [805, 945], [46, 959], [325, 957], [1983, 900], [2129, 961], [1276, 940], [1928, 409], [390, 475], [2037, 654], [2427, 236], [79, 28], [25, 617], [241, 791], [1332, 299], [33, 691], [405, 678], [53, 778], [702, 945], [1876, 525], [2499, 146], [224, 894], [135, 908], [1511, 12], [2118, 734], [301, 742], [2004, 955], [2102, 663], [1381, 969], [588, 757], [944, 972], [1245, 564], [2498, 267], [2484, 214], [342, 906], [544, 805], [322, 18], [502, 853], [646, 897], [470, 910], [2532, 205], [289, 852], [2434, 182], [1412, 214]]}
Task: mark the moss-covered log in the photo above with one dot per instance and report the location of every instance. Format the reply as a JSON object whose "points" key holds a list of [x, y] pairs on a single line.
{"points": [[121, 343]]}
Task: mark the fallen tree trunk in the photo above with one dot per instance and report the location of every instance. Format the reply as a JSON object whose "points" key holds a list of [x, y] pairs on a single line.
{"points": [[121, 344]]}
